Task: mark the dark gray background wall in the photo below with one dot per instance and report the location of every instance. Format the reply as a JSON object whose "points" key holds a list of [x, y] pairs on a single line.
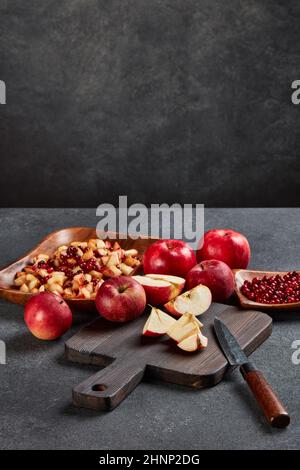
{"points": [[162, 100]]}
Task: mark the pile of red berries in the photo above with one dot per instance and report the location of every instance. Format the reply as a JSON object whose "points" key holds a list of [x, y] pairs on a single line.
{"points": [[273, 289]]}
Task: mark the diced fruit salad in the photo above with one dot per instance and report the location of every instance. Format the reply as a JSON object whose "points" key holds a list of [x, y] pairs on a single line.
{"points": [[77, 270]]}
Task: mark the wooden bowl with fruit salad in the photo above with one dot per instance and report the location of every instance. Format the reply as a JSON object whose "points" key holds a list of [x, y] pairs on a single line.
{"points": [[72, 262]]}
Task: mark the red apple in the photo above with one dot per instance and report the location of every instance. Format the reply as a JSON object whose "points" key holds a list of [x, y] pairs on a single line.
{"points": [[121, 299], [214, 274], [47, 316], [225, 245], [173, 257], [160, 288]]}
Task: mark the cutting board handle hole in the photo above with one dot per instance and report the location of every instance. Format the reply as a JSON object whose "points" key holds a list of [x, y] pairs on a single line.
{"points": [[99, 387]]}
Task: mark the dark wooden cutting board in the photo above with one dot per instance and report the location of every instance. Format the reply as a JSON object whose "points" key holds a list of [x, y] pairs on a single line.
{"points": [[127, 356]]}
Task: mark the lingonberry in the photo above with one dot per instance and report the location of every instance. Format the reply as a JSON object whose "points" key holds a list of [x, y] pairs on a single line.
{"points": [[273, 289]]}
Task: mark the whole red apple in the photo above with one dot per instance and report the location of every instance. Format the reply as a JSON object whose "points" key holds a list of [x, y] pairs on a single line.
{"points": [[214, 274], [169, 257], [47, 316], [225, 245], [121, 299]]}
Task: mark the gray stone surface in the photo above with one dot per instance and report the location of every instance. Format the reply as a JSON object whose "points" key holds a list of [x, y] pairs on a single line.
{"points": [[190, 99], [35, 385]]}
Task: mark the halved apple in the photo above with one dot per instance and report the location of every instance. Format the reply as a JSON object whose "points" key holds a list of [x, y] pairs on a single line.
{"points": [[194, 342], [177, 282], [160, 290], [195, 301], [158, 323], [184, 327]]}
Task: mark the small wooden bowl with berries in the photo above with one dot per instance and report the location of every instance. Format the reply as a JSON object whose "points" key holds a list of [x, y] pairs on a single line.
{"points": [[268, 290], [72, 262]]}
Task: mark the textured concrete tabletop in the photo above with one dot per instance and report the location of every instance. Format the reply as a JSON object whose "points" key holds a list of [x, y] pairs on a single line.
{"points": [[35, 386]]}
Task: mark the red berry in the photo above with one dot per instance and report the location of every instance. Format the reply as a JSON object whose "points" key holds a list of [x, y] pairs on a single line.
{"points": [[273, 289]]}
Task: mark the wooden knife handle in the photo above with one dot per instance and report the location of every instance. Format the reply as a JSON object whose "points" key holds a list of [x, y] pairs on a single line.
{"points": [[270, 404], [108, 387]]}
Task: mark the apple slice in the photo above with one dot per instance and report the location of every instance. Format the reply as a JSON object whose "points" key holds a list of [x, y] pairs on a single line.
{"points": [[195, 301], [187, 333], [186, 326], [177, 282], [158, 323], [158, 291], [184, 332], [194, 342]]}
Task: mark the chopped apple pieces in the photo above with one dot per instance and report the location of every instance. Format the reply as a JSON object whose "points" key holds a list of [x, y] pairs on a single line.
{"points": [[184, 327], [186, 331], [158, 323], [193, 343], [77, 270]]}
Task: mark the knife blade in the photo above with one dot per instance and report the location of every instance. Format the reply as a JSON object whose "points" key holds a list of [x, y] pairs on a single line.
{"points": [[231, 348], [270, 404]]}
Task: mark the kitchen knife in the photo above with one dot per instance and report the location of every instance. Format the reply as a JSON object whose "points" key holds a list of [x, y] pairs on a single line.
{"points": [[266, 398]]}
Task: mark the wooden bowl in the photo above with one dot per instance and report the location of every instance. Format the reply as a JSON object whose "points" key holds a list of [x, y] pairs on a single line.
{"points": [[242, 275], [48, 246]]}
